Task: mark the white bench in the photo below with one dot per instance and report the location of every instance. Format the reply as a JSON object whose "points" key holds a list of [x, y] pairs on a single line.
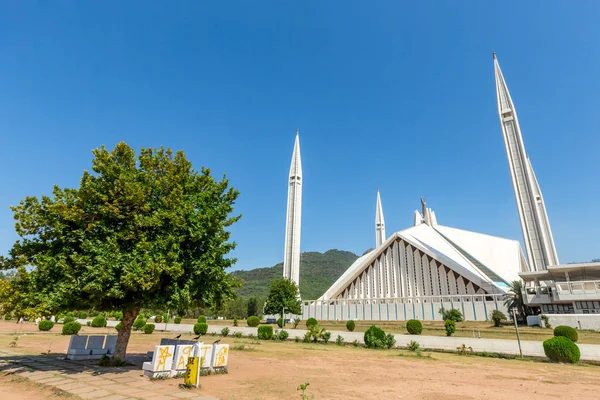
{"points": [[161, 363]]}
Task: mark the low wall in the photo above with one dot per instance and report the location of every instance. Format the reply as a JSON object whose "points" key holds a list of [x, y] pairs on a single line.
{"points": [[578, 321]]}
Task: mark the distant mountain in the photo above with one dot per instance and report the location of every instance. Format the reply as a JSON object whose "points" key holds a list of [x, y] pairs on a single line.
{"points": [[318, 271]]}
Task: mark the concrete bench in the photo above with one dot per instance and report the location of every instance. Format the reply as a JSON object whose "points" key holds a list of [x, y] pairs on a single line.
{"points": [[161, 363], [110, 344], [78, 348], [96, 347]]}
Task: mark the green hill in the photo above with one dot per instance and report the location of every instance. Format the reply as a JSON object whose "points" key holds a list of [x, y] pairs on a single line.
{"points": [[318, 271]]}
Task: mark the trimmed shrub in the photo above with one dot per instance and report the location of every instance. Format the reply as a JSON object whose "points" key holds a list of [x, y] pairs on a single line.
{"points": [[83, 315], [139, 324], [390, 340], [561, 349], [68, 319], [99, 322], [71, 314], [118, 316], [374, 338], [283, 335], [118, 326], [149, 328], [200, 328], [177, 320], [450, 327], [311, 322], [8, 317], [158, 319], [452, 314], [566, 331], [253, 321], [235, 322], [225, 331], [45, 325], [280, 322], [497, 316], [414, 326], [265, 332], [326, 336], [350, 325], [202, 319], [71, 328]]}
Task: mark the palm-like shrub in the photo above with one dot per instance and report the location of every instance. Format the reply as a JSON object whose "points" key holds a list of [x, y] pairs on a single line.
{"points": [[566, 331], [497, 316], [71, 328], [452, 314], [200, 328], [253, 321], [45, 325], [561, 349], [350, 325], [414, 326], [375, 338], [326, 336]]}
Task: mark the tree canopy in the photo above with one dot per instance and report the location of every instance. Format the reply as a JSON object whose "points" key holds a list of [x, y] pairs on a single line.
{"points": [[284, 293], [140, 231]]}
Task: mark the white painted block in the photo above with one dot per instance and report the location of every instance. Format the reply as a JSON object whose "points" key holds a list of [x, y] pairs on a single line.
{"points": [[182, 353], [205, 352], [163, 358], [220, 355]]}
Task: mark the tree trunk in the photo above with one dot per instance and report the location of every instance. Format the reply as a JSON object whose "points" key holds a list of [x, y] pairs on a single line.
{"points": [[129, 317]]}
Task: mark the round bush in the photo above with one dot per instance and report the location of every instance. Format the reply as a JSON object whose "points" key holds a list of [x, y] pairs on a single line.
{"points": [[253, 321], [561, 349], [8, 317], [177, 320], [83, 315], [311, 322], [71, 314], [139, 324], [280, 322], [414, 326], [566, 331], [71, 328], [45, 325], [158, 319], [68, 319], [375, 338], [118, 316], [200, 328], [202, 319], [118, 326], [283, 335], [149, 328], [265, 332], [99, 322], [350, 325]]}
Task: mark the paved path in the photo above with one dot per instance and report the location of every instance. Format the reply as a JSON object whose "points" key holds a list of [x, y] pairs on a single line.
{"points": [[89, 381]]}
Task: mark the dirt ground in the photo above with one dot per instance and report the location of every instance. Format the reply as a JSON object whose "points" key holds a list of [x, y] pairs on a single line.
{"points": [[273, 370], [21, 389]]}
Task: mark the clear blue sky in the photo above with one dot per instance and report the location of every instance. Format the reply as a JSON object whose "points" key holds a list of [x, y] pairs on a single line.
{"points": [[393, 95]]}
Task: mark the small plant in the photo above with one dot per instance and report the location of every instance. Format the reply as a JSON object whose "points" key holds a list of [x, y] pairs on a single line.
{"points": [[158, 319], [450, 327], [566, 331], [177, 320], [265, 332], [561, 349], [374, 338], [99, 322], [498, 316], [356, 343], [296, 322], [237, 335], [307, 338], [253, 321], [225, 331], [283, 335], [462, 350], [235, 322], [45, 325], [139, 323], [414, 326], [71, 328], [303, 387], [14, 342], [326, 336], [297, 339], [390, 340], [88, 323], [118, 315], [339, 340], [413, 345], [202, 319], [350, 325], [451, 314], [546, 321], [118, 326], [147, 315], [7, 316], [200, 328], [311, 322], [251, 336]]}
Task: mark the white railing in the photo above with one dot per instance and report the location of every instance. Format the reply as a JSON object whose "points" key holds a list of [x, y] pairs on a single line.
{"points": [[468, 298], [578, 287]]}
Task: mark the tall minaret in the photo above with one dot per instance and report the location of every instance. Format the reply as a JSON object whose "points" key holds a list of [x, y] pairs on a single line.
{"points": [[537, 234], [291, 257], [379, 224]]}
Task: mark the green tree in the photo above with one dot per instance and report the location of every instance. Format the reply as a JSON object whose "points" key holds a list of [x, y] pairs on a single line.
{"points": [[514, 299], [252, 306], [143, 231], [284, 293]]}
